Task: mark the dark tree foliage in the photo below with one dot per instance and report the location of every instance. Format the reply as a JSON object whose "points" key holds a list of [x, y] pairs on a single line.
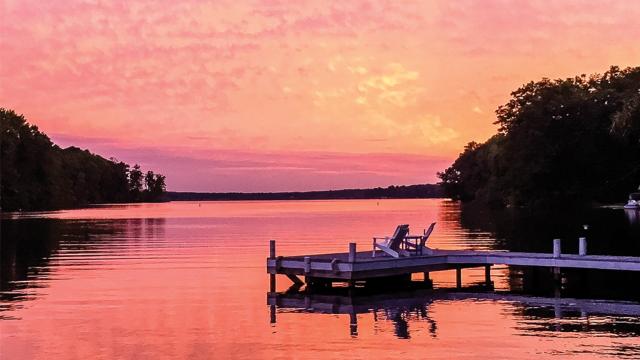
{"points": [[36, 174], [154, 184], [567, 141], [391, 192], [135, 183]]}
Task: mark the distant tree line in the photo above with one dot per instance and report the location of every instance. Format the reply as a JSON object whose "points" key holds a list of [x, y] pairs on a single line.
{"points": [[567, 141], [36, 174], [391, 192]]}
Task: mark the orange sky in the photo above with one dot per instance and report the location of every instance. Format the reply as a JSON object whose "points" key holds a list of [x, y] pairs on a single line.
{"points": [[281, 95]]}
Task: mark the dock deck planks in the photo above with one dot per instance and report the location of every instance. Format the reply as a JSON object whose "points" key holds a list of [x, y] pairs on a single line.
{"points": [[338, 266]]}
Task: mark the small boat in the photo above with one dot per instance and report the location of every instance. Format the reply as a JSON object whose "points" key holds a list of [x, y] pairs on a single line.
{"points": [[634, 201]]}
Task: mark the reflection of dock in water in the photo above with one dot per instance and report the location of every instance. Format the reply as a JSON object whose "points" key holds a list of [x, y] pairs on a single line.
{"points": [[400, 307], [397, 307]]}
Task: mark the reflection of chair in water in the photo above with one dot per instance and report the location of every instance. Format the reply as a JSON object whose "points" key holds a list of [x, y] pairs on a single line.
{"points": [[402, 316], [399, 308], [391, 245]]}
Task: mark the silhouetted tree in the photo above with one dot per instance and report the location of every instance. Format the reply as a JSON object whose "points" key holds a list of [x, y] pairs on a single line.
{"points": [[36, 174], [559, 141], [135, 182], [154, 186]]}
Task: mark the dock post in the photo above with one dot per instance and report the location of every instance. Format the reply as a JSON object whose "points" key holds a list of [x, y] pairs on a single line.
{"points": [[557, 276], [427, 279], [582, 246], [458, 278], [353, 323], [272, 255], [272, 249], [487, 275], [352, 258], [352, 252], [307, 264], [556, 248], [272, 282], [272, 313]]}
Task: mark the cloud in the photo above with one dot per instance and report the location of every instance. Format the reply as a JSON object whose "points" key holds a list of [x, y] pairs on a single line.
{"points": [[395, 85], [233, 170]]}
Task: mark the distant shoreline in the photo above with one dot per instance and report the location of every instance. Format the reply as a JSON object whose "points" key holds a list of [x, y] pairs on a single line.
{"points": [[424, 191]]}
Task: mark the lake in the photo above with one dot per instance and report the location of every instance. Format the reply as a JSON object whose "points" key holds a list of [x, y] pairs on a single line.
{"points": [[187, 280]]}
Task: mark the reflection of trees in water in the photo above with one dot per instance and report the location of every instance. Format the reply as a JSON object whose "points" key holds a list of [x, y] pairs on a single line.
{"points": [[29, 245], [26, 247], [609, 233]]}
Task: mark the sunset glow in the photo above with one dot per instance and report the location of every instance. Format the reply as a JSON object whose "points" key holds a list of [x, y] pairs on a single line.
{"points": [[279, 95]]}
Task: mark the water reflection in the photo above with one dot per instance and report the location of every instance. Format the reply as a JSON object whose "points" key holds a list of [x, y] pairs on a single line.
{"points": [[633, 215], [180, 280], [403, 309], [610, 232], [398, 307], [29, 245]]}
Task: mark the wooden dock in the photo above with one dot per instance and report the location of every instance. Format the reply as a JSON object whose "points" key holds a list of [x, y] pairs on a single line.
{"points": [[355, 265]]}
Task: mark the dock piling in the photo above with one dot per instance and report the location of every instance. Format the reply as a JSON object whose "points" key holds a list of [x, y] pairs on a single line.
{"points": [[427, 279], [272, 255], [272, 313], [307, 264], [352, 252], [458, 278], [272, 282], [556, 248], [582, 246], [272, 249], [353, 324], [487, 275]]}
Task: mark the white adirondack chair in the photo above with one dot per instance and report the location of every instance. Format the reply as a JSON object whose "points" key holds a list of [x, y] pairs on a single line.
{"points": [[422, 247], [391, 244]]}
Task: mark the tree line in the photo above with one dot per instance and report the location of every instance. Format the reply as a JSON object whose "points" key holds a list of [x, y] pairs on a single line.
{"points": [[565, 141], [36, 174], [391, 192]]}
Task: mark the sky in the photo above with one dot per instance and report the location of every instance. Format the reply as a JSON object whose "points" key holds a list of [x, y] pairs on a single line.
{"points": [[293, 95]]}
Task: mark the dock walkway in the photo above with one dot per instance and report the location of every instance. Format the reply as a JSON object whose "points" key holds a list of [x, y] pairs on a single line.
{"points": [[354, 265]]}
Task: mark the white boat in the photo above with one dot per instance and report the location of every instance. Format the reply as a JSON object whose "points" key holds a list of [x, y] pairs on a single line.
{"points": [[634, 201]]}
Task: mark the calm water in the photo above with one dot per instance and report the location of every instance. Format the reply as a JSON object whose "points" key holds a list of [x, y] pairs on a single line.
{"points": [[187, 280]]}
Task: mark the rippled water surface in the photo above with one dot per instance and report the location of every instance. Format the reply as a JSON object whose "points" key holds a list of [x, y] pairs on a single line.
{"points": [[187, 280]]}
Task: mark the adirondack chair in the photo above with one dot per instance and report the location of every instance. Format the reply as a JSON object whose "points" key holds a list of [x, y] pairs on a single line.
{"points": [[422, 247], [391, 245]]}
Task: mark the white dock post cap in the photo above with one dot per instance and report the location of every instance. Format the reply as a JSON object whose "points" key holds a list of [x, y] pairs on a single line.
{"points": [[582, 246], [307, 264], [352, 252], [556, 248]]}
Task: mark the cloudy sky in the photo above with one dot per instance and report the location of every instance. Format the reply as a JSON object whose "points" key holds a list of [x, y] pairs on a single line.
{"points": [[292, 95]]}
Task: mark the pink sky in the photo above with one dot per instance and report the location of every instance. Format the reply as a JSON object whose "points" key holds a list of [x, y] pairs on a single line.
{"points": [[281, 95]]}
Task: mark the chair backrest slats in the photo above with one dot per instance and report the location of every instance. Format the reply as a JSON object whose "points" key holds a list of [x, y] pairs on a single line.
{"points": [[398, 236], [427, 233]]}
